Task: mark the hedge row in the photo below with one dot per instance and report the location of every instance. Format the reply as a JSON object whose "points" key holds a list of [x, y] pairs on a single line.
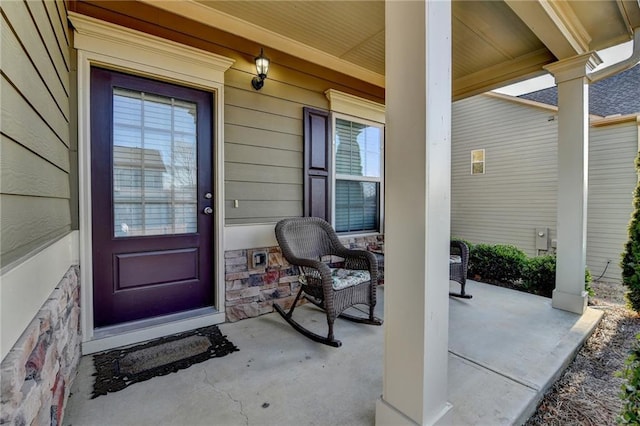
{"points": [[508, 264]]}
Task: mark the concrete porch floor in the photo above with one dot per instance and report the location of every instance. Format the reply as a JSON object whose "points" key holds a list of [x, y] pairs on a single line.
{"points": [[505, 349]]}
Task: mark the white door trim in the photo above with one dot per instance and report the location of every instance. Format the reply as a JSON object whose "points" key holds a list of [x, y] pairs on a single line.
{"points": [[118, 48]]}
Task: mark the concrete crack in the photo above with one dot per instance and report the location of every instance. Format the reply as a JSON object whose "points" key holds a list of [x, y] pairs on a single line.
{"points": [[208, 381]]}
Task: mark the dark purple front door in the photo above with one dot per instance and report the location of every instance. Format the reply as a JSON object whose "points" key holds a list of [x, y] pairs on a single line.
{"points": [[151, 186]]}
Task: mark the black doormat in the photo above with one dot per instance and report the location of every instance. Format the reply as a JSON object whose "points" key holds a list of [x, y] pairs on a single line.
{"points": [[119, 368]]}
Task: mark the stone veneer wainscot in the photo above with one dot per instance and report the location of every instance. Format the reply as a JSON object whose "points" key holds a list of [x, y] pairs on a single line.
{"points": [[38, 371], [251, 291]]}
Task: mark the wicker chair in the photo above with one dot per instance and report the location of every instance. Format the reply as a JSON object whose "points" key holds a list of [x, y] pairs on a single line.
{"points": [[458, 263], [305, 243]]}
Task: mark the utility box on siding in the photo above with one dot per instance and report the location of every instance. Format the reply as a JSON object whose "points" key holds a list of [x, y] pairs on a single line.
{"points": [[542, 239]]}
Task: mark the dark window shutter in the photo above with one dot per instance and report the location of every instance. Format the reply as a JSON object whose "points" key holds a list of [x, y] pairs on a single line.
{"points": [[317, 164]]}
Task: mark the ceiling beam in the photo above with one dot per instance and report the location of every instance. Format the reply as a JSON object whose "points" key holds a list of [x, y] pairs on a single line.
{"points": [[502, 74], [630, 11], [555, 24]]}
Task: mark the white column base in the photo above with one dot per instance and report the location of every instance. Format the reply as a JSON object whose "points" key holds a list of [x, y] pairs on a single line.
{"points": [[576, 303], [387, 415]]}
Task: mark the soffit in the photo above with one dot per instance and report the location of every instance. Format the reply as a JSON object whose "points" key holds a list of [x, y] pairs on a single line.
{"points": [[485, 33], [488, 33], [494, 42], [349, 30], [604, 21]]}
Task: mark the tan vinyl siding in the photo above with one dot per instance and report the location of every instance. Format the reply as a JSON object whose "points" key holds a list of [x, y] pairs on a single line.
{"points": [[517, 193], [35, 135], [262, 129], [264, 148], [612, 180]]}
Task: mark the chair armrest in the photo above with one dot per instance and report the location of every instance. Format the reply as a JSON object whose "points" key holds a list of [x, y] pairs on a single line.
{"points": [[323, 271], [464, 253], [360, 260]]}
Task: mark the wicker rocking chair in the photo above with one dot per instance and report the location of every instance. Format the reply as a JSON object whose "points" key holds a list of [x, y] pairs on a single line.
{"points": [[458, 263], [305, 242]]}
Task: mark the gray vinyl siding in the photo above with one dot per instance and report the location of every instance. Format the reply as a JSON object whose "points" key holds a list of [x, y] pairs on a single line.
{"points": [[35, 133], [612, 180], [518, 191], [264, 148]]}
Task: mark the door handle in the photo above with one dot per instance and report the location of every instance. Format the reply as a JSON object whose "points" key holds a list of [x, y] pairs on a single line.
{"points": [[207, 210]]}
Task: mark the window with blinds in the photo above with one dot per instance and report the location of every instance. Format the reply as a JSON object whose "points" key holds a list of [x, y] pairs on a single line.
{"points": [[154, 164], [358, 176]]}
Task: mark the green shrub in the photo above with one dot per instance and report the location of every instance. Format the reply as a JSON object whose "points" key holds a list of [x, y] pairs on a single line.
{"points": [[539, 276], [497, 262], [630, 263], [587, 282], [630, 394]]}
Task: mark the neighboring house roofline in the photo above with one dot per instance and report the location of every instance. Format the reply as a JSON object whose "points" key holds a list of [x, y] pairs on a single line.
{"points": [[531, 103], [521, 101], [616, 119], [617, 94]]}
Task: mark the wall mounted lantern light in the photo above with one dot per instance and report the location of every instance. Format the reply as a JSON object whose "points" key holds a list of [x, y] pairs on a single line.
{"points": [[262, 67]]}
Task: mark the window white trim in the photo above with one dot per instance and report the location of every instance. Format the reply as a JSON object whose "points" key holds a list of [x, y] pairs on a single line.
{"points": [[354, 106], [483, 162], [118, 48], [336, 176]]}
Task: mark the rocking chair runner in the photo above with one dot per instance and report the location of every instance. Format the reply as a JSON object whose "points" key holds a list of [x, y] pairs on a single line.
{"points": [[304, 243]]}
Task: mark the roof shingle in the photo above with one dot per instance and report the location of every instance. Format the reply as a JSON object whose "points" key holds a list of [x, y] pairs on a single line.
{"points": [[619, 94]]}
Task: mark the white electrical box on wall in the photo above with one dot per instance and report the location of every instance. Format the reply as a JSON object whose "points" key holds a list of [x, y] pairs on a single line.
{"points": [[542, 239]]}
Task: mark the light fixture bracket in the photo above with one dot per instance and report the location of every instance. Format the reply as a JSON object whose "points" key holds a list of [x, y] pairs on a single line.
{"points": [[257, 82]]}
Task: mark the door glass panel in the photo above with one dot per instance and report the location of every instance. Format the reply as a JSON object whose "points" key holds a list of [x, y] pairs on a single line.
{"points": [[154, 164]]}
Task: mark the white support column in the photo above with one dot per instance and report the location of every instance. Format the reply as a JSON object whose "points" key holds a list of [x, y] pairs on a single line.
{"points": [[417, 213], [573, 151]]}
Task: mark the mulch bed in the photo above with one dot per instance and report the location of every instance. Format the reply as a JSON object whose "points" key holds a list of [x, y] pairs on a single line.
{"points": [[587, 393]]}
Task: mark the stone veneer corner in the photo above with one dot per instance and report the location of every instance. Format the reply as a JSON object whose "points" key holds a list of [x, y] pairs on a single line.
{"points": [[38, 371]]}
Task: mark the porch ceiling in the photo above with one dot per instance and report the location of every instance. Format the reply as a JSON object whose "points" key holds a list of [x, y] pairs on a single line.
{"points": [[494, 42]]}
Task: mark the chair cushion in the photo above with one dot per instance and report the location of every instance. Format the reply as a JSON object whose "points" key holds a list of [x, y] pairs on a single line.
{"points": [[343, 278], [455, 259]]}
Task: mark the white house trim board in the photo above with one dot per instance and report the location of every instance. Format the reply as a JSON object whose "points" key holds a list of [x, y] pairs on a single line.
{"points": [[26, 286], [536, 104], [418, 182], [617, 119], [557, 27], [494, 77], [119, 48], [239, 237], [355, 106], [142, 51]]}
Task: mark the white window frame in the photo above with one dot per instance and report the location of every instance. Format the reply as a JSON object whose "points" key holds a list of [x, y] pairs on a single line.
{"points": [[360, 110], [335, 176], [483, 162]]}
